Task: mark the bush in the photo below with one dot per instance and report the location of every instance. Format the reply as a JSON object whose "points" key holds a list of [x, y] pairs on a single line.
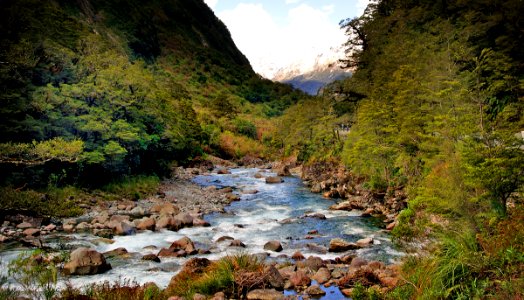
{"points": [[245, 128], [36, 274]]}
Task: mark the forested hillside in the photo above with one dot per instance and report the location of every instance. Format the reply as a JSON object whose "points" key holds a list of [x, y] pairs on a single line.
{"points": [[436, 109], [124, 87]]}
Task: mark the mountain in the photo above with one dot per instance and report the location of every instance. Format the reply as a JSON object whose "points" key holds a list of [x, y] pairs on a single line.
{"points": [[311, 76], [115, 87]]}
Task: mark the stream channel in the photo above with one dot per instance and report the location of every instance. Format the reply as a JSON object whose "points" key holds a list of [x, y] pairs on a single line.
{"points": [[276, 212]]}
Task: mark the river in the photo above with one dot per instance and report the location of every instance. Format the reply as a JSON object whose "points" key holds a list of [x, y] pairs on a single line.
{"points": [[275, 212]]}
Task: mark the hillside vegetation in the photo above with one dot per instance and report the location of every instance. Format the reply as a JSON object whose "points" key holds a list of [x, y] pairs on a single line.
{"points": [[436, 108], [116, 88]]}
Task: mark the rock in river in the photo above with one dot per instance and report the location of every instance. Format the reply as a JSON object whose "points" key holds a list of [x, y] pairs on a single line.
{"points": [[273, 246], [339, 245], [86, 261]]}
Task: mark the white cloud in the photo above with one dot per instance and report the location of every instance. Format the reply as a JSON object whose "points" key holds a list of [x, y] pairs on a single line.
{"points": [[211, 3], [270, 46], [361, 6], [292, 1]]}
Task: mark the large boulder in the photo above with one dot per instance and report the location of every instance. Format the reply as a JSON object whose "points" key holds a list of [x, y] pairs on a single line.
{"points": [[339, 245], [274, 278], [274, 179], [86, 261], [273, 246], [165, 208]]}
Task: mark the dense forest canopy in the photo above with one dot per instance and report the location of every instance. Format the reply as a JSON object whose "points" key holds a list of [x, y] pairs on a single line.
{"points": [[124, 87]]}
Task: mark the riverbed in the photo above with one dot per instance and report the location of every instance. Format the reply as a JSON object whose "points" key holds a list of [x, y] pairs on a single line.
{"points": [[287, 212]]}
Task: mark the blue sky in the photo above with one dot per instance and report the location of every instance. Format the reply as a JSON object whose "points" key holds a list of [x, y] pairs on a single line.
{"points": [[277, 33]]}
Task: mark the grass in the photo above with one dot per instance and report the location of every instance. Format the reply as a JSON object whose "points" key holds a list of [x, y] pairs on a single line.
{"points": [[223, 275]]}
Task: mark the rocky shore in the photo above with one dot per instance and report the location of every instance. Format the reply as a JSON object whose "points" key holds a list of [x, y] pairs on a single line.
{"points": [[334, 181]]}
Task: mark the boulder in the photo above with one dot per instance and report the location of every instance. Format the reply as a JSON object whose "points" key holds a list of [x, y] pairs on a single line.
{"points": [[146, 224], [82, 226], [273, 246], [224, 238], [339, 245], [168, 209], [169, 223], [287, 272], [259, 175], [391, 226], [283, 171], [317, 248], [171, 253], [31, 232], [322, 276], [297, 256], [185, 244], [223, 171], [249, 192], [123, 228], [200, 222], [219, 296], [300, 278], [50, 227], [151, 257], [365, 242], [185, 219], [346, 205], [312, 263], [265, 294], [137, 211], [116, 252], [237, 243], [358, 262], [232, 197], [316, 216], [315, 290], [274, 278], [274, 179], [3, 238], [24, 225], [84, 261]]}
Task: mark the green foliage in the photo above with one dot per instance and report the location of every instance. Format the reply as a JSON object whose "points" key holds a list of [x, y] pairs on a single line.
{"points": [[57, 202], [135, 188], [36, 274], [40, 152], [244, 127]]}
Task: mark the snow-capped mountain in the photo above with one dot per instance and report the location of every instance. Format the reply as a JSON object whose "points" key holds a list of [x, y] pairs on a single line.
{"points": [[312, 75]]}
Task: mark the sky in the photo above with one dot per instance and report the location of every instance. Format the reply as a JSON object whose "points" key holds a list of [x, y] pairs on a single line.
{"points": [[275, 34]]}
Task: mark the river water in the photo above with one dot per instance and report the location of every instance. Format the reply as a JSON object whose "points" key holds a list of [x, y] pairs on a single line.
{"points": [[276, 212]]}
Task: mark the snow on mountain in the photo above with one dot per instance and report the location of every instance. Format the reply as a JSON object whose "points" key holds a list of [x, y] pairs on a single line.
{"points": [[311, 75]]}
